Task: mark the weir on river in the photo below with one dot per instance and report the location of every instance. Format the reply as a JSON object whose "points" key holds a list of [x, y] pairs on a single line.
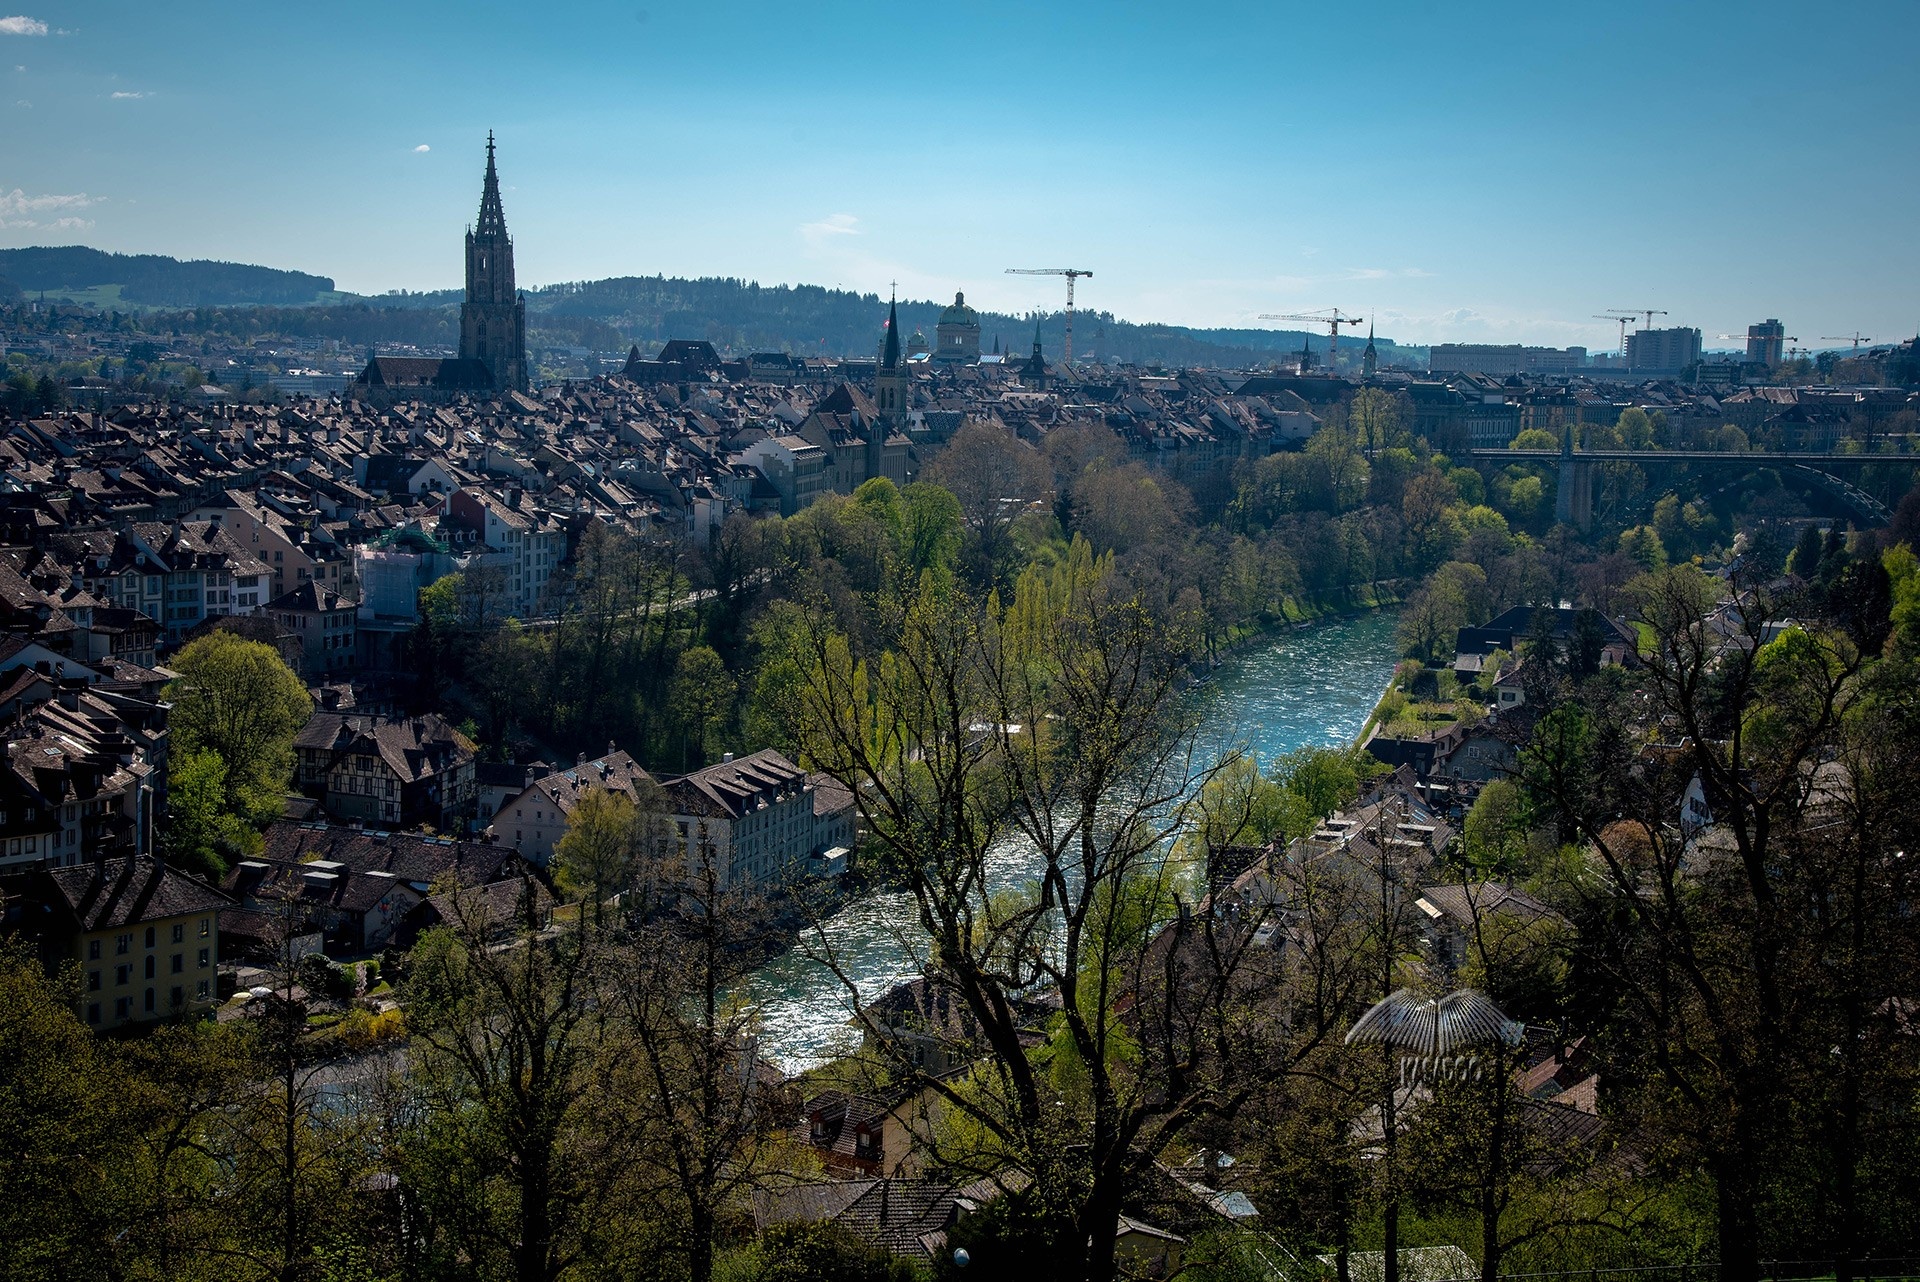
{"points": [[1309, 687]]}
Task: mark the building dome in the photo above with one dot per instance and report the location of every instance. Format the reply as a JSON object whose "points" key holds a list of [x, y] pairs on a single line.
{"points": [[959, 313]]}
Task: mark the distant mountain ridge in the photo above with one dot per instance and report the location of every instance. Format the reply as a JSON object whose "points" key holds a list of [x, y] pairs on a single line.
{"points": [[737, 316]]}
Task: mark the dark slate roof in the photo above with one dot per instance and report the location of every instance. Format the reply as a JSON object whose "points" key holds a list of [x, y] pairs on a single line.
{"points": [[426, 371], [412, 859], [121, 892], [310, 597], [413, 749], [731, 788]]}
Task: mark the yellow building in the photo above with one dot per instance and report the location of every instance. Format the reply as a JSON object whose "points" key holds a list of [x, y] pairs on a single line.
{"points": [[146, 938]]}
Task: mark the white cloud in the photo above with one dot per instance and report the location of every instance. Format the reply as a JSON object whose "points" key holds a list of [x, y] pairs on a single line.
{"points": [[17, 209], [422, 149], [1384, 273], [21, 25], [833, 225], [126, 93]]}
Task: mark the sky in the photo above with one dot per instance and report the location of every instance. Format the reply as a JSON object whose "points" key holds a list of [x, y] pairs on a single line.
{"points": [[1462, 173]]}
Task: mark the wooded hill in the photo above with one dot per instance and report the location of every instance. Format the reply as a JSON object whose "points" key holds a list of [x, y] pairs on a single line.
{"points": [[737, 316]]}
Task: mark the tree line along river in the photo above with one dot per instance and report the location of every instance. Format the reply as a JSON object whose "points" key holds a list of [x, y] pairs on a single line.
{"points": [[1311, 686]]}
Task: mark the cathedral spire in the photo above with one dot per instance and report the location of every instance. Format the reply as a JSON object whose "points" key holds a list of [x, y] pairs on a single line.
{"points": [[493, 218], [493, 319]]}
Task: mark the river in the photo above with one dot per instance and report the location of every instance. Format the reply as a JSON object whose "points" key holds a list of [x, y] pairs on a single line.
{"points": [[1310, 686]]}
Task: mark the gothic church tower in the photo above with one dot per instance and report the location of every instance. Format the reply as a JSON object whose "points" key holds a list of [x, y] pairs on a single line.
{"points": [[893, 382], [493, 320]]}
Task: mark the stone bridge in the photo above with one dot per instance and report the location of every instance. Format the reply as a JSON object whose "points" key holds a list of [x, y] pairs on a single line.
{"points": [[1573, 502]]}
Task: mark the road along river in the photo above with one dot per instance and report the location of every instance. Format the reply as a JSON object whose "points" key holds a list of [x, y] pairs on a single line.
{"points": [[1306, 687]]}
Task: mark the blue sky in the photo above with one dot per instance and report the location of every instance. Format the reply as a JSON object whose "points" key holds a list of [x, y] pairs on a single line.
{"points": [[1464, 172]]}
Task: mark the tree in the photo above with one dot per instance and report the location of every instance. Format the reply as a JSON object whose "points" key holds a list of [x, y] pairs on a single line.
{"points": [[596, 856], [201, 832], [64, 1128], [1805, 560], [238, 700], [1860, 600], [686, 1049], [701, 700], [1642, 543], [991, 474], [1375, 418], [1432, 616], [1707, 953], [1058, 720], [520, 1151], [1496, 829]]}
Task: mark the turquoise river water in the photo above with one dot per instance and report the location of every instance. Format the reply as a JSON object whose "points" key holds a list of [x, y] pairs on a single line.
{"points": [[1310, 686]]}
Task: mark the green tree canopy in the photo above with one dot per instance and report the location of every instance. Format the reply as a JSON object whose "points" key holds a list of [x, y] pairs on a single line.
{"points": [[238, 700]]}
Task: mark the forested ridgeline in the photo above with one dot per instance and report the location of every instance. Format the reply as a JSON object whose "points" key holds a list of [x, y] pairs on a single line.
{"points": [[241, 302]]}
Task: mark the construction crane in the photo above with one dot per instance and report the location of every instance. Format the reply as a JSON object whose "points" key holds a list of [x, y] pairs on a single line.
{"points": [[1857, 339], [1621, 318], [1328, 316], [1648, 312], [1072, 274], [1775, 338]]}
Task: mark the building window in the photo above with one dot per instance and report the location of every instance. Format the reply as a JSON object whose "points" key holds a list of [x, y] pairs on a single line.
{"points": [[122, 1007], [148, 1004], [179, 931], [150, 966], [93, 981], [93, 1012], [122, 975], [179, 962], [203, 959], [201, 990], [206, 926], [178, 996], [151, 936], [93, 950], [122, 944]]}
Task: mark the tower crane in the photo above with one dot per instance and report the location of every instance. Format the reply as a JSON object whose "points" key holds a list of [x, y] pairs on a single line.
{"points": [[1648, 312], [1621, 318], [1328, 316], [1857, 338], [1777, 338], [1072, 274]]}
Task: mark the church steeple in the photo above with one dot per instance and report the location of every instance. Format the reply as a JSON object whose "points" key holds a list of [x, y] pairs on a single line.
{"points": [[1034, 373], [891, 381], [493, 218], [1370, 359], [890, 353], [493, 319]]}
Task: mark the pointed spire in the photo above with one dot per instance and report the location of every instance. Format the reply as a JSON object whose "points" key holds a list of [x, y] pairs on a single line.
{"points": [[1036, 336], [890, 355], [493, 218]]}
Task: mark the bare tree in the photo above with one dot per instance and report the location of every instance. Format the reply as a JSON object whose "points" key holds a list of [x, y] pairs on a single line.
{"points": [[1056, 723]]}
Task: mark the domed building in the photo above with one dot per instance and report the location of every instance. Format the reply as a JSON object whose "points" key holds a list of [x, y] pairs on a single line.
{"points": [[917, 345], [957, 336]]}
